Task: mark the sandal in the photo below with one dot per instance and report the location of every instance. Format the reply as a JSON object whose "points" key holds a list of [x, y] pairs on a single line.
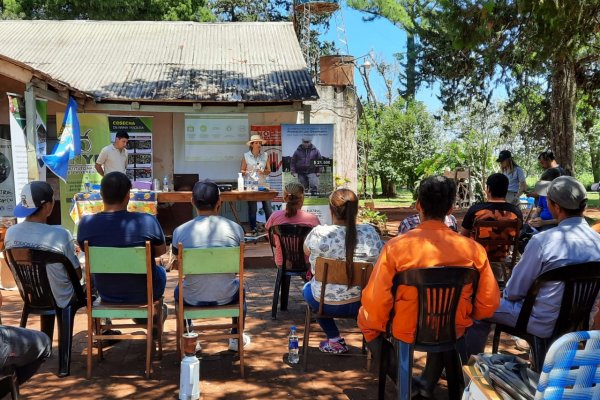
{"points": [[333, 346]]}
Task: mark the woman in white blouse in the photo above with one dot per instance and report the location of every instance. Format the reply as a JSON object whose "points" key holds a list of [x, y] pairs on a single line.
{"points": [[344, 240]]}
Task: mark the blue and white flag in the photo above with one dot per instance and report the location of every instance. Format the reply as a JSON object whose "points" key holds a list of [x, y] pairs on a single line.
{"points": [[69, 145]]}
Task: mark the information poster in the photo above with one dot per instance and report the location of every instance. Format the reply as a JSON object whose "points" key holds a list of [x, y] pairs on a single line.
{"points": [[7, 185], [215, 138], [139, 147], [19, 168], [95, 134], [308, 159]]}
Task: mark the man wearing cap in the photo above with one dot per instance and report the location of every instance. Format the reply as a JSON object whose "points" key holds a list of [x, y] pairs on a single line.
{"points": [[303, 165], [114, 156], [515, 175], [571, 242], [208, 230], [255, 167], [117, 227], [34, 233], [25, 349]]}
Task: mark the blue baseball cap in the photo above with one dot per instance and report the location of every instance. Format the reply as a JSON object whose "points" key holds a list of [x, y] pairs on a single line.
{"points": [[33, 195]]}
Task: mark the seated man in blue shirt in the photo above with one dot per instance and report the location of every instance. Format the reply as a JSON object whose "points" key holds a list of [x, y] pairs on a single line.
{"points": [[573, 241], [208, 230], [117, 227]]}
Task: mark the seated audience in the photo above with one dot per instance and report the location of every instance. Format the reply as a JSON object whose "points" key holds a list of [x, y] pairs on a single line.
{"points": [[22, 350], [208, 230], [431, 244], [344, 240], [293, 197], [37, 202], [541, 218], [412, 221], [571, 242], [117, 227], [494, 209]]}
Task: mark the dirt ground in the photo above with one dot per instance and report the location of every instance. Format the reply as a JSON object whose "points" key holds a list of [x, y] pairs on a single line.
{"points": [[268, 375]]}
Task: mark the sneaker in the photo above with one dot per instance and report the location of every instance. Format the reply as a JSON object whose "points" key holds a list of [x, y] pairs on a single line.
{"points": [[521, 344], [233, 343], [333, 346]]}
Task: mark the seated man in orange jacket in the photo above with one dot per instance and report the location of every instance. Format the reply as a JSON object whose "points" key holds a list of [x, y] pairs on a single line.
{"points": [[431, 244]]}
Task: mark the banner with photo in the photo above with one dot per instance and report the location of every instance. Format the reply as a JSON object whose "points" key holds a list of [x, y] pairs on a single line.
{"points": [[139, 129], [95, 134], [307, 151], [41, 120], [19, 167], [7, 184], [272, 136]]}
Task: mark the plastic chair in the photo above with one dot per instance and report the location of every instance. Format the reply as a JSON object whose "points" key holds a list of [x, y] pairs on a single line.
{"points": [[9, 384], [581, 286], [121, 260], [439, 292], [330, 271], [498, 238], [28, 267], [203, 261], [291, 240], [572, 368]]}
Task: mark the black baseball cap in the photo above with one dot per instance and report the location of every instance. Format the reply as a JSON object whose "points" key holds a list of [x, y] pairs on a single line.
{"points": [[504, 155], [205, 193], [33, 195]]}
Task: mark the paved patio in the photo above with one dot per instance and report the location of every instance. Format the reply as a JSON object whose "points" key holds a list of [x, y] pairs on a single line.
{"points": [[268, 375]]}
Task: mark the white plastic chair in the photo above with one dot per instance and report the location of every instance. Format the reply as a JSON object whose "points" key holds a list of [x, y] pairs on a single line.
{"points": [[571, 368]]}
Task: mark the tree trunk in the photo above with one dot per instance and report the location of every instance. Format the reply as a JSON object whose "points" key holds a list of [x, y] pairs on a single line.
{"points": [[562, 112], [594, 142], [411, 67], [388, 187]]}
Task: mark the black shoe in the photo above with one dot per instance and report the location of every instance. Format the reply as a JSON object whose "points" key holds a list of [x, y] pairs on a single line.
{"points": [[109, 342], [419, 389]]}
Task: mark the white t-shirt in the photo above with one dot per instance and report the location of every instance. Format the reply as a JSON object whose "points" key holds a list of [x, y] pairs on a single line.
{"points": [[112, 159], [34, 235], [255, 164], [329, 241]]}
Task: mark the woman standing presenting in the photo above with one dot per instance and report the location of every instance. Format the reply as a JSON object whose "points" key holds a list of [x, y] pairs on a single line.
{"points": [[255, 167], [515, 175]]}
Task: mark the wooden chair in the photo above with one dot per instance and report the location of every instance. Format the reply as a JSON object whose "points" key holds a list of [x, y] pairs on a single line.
{"points": [[28, 267], [121, 260], [490, 234], [204, 261], [581, 286], [436, 329], [330, 271], [291, 240]]}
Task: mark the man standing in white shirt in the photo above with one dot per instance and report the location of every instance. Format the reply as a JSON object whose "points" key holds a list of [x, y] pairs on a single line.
{"points": [[114, 156]]}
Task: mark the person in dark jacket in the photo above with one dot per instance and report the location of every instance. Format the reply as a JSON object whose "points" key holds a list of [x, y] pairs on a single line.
{"points": [[303, 165]]}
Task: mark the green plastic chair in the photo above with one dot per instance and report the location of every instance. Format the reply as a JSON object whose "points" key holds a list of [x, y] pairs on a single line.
{"points": [[203, 261], [121, 260]]}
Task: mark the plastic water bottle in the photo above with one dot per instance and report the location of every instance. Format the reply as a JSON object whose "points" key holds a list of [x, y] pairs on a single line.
{"points": [[293, 356], [240, 182], [86, 184], [166, 183]]}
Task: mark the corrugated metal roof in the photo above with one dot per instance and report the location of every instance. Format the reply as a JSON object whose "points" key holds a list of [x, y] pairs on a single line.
{"points": [[165, 61]]}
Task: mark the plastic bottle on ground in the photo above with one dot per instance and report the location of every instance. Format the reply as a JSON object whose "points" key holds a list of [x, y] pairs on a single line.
{"points": [[293, 356]]}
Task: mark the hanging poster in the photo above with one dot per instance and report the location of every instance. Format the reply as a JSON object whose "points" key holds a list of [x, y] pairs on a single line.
{"points": [[308, 159], [7, 185], [95, 134], [19, 169], [272, 136], [139, 129], [41, 120]]}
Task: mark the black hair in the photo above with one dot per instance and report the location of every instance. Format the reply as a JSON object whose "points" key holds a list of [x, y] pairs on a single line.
{"points": [[547, 155], [498, 185], [572, 213], [121, 135], [436, 196], [114, 187]]}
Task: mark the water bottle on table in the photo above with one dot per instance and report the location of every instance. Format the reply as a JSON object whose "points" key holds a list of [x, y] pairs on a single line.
{"points": [[293, 356], [87, 186], [166, 183]]}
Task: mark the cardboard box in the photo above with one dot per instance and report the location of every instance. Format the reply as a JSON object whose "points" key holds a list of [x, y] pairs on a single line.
{"points": [[477, 387]]}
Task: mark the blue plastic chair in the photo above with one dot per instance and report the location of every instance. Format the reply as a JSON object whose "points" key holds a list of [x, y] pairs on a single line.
{"points": [[571, 372]]}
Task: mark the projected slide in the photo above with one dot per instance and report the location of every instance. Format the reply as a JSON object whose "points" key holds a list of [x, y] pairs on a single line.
{"points": [[215, 139]]}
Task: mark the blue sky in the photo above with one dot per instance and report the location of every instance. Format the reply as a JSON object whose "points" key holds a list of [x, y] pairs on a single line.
{"points": [[383, 39]]}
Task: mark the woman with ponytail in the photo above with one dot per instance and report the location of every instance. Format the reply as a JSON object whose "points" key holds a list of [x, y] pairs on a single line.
{"points": [[344, 240], [293, 197]]}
